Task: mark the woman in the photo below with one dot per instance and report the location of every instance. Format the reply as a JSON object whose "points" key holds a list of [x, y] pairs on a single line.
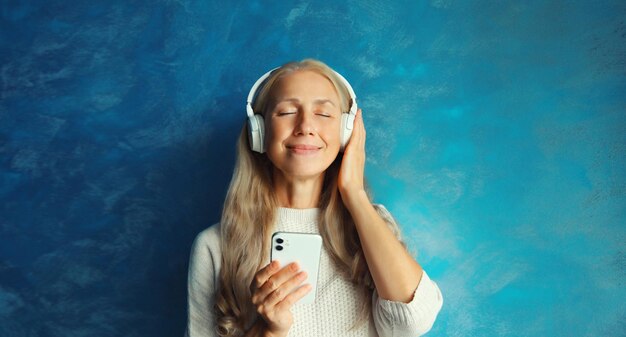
{"points": [[300, 181]]}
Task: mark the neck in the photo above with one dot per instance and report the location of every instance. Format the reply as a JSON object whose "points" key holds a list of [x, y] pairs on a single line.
{"points": [[298, 192]]}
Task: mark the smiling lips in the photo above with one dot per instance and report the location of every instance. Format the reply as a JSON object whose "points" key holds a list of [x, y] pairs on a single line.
{"points": [[303, 148]]}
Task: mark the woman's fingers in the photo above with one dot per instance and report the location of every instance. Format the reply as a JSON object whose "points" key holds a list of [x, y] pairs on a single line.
{"points": [[264, 274], [362, 127], [281, 292], [358, 133], [267, 283], [294, 297]]}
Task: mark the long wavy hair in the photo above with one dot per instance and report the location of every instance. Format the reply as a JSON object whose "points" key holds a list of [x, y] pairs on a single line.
{"points": [[249, 214]]}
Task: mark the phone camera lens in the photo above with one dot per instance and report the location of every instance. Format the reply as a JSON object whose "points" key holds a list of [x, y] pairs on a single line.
{"points": [[279, 240], [279, 247]]}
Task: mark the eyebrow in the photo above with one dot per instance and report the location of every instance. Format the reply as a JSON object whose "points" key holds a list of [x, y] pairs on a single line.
{"points": [[319, 101]]}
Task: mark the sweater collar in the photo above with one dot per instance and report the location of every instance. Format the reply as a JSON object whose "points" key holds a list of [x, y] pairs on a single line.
{"points": [[298, 215]]}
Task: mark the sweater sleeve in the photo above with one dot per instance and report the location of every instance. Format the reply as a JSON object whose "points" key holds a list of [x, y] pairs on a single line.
{"points": [[399, 319], [204, 263]]}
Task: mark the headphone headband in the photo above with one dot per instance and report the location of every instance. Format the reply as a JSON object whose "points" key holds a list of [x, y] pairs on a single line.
{"points": [[257, 84]]}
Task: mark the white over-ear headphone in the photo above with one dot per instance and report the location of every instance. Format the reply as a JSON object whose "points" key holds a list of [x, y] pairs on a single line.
{"points": [[256, 126]]}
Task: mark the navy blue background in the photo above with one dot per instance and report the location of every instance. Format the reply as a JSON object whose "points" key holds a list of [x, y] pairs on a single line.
{"points": [[496, 135]]}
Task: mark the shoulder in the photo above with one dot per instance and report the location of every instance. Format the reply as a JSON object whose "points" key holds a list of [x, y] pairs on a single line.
{"points": [[208, 242], [205, 259], [209, 237]]}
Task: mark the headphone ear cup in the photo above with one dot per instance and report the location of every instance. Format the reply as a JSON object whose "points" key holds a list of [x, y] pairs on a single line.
{"points": [[261, 122], [256, 133], [347, 124]]}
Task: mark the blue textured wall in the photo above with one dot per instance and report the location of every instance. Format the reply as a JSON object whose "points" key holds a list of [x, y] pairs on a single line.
{"points": [[496, 136]]}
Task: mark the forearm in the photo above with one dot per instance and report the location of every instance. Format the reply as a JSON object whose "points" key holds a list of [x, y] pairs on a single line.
{"points": [[395, 272]]}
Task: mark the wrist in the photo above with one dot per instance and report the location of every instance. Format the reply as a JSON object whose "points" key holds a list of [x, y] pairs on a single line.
{"points": [[354, 199], [354, 196]]}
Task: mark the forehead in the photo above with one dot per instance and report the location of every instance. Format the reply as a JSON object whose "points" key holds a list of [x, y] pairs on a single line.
{"points": [[304, 83]]}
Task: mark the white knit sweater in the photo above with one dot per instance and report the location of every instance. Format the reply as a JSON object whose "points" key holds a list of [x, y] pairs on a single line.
{"points": [[336, 303]]}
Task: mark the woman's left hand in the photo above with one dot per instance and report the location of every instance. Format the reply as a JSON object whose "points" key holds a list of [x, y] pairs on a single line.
{"points": [[352, 168]]}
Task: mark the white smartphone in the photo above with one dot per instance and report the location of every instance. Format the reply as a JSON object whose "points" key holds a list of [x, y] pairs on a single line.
{"points": [[304, 248]]}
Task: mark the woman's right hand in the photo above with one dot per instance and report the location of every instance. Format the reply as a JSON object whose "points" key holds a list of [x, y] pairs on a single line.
{"points": [[273, 295]]}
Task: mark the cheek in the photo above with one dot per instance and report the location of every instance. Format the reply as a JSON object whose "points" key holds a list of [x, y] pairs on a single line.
{"points": [[334, 131], [270, 129], [275, 133]]}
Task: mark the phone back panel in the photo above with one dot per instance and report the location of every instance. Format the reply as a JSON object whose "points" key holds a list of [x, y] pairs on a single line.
{"points": [[304, 248]]}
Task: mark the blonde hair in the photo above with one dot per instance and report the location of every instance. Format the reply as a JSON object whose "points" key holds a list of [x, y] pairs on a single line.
{"points": [[249, 214]]}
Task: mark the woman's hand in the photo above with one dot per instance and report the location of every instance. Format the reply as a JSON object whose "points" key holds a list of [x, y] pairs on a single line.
{"points": [[273, 297], [352, 168]]}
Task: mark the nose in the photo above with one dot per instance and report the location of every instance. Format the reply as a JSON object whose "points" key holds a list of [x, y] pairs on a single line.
{"points": [[305, 124]]}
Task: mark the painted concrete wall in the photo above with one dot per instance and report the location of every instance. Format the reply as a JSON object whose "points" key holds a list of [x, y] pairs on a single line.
{"points": [[496, 136]]}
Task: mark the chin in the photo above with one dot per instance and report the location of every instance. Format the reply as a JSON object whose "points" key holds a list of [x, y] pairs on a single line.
{"points": [[306, 173]]}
